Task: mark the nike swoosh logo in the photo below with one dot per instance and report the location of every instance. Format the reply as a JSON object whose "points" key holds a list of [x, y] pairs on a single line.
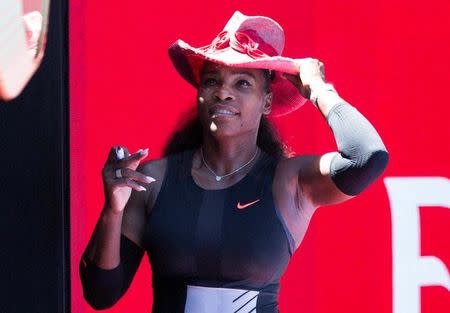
{"points": [[243, 206]]}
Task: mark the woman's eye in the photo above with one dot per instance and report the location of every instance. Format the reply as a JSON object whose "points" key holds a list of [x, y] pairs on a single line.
{"points": [[244, 83], [209, 82]]}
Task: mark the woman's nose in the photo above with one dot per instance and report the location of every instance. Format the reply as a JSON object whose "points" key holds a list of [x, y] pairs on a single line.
{"points": [[223, 93]]}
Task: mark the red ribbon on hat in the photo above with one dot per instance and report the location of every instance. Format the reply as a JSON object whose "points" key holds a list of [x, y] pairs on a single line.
{"points": [[240, 42]]}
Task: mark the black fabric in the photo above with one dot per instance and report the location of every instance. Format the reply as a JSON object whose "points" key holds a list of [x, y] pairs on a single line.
{"points": [[362, 155], [103, 288], [199, 237], [35, 173]]}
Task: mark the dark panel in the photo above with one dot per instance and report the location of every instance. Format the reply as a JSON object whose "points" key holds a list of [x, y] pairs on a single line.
{"points": [[34, 176]]}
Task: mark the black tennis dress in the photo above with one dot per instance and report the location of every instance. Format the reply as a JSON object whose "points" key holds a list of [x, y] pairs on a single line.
{"points": [[217, 251]]}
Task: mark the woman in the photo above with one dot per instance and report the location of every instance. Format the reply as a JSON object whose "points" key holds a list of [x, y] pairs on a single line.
{"points": [[222, 213]]}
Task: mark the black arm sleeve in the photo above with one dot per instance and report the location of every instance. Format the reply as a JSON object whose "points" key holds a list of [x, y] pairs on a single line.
{"points": [[362, 155], [103, 288]]}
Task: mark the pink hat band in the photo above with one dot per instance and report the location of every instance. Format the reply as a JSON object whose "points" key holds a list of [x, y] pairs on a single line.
{"points": [[240, 42]]}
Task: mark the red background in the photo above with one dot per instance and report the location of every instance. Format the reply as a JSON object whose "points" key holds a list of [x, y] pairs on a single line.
{"points": [[390, 59]]}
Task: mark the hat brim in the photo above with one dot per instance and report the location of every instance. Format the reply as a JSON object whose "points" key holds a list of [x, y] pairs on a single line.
{"points": [[189, 61]]}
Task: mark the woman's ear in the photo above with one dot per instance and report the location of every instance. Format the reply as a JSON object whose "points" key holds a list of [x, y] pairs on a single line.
{"points": [[267, 103]]}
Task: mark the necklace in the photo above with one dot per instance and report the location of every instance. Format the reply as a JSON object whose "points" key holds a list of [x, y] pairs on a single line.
{"points": [[219, 177]]}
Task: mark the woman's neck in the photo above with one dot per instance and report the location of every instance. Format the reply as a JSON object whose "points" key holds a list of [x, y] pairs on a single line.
{"points": [[225, 155]]}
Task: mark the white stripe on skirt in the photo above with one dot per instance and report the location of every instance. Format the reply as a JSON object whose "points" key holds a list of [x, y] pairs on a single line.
{"points": [[220, 300]]}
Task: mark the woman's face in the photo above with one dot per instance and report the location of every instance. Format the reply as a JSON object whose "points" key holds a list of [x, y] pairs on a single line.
{"points": [[233, 98]]}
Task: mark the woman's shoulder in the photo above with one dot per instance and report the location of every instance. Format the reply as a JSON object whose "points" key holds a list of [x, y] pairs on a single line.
{"points": [[283, 165], [290, 170], [293, 166], [154, 168]]}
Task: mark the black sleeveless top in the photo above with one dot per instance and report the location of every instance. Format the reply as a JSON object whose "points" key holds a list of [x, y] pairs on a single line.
{"points": [[228, 238]]}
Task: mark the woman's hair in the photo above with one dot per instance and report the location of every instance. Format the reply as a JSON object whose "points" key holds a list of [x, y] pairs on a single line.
{"points": [[189, 136]]}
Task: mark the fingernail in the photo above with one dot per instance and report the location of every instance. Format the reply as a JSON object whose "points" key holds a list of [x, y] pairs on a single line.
{"points": [[120, 153], [141, 188], [143, 151], [282, 76], [150, 179]]}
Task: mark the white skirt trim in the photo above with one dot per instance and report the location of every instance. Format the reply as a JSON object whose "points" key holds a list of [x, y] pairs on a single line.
{"points": [[220, 300]]}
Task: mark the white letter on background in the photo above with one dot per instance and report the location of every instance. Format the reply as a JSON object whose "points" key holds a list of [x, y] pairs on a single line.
{"points": [[410, 269]]}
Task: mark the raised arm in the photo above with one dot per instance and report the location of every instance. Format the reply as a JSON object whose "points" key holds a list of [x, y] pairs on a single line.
{"points": [[361, 157], [114, 251]]}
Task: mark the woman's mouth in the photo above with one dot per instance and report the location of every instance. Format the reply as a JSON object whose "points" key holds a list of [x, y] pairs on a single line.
{"points": [[223, 113], [217, 112]]}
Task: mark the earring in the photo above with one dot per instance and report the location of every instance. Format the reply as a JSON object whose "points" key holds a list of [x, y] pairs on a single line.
{"points": [[268, 106]]}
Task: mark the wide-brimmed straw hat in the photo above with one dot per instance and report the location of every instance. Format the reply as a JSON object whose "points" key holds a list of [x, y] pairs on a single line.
{"points": [[245, 42]]}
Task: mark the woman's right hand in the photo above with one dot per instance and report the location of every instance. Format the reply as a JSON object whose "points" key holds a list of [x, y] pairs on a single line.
{"points": [[120, 176]]}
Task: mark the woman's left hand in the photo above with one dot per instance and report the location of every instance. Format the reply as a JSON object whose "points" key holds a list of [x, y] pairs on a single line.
{"points": [[311, 72]]}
